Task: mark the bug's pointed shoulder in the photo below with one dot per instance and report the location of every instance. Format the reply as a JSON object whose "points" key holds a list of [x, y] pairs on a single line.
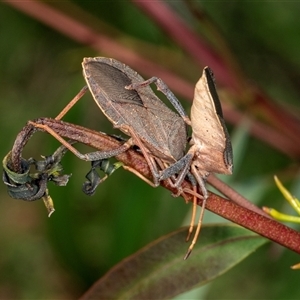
{"points": [[86, 60], [105, 61], [211, 84], [228, 156], [209, 73], [94, 60]]}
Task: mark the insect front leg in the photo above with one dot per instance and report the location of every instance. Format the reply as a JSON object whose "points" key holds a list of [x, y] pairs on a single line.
{"points": [[161, 165], [180, 167], [92, 156]]}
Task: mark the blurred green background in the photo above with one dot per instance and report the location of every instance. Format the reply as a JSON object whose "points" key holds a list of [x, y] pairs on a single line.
{"points": [[60, 257]]}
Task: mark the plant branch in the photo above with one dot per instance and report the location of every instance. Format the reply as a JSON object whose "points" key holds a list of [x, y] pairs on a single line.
{"points": [[229, 210]]}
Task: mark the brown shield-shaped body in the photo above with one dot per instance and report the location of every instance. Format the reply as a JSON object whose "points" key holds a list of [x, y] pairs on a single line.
{"points": [[161, 130], [210, 138], [211, 149]]}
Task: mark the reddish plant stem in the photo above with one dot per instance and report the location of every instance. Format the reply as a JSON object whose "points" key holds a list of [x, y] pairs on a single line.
{"points": [[95, 139], [83, 34], [264, 226], [230, 193]]}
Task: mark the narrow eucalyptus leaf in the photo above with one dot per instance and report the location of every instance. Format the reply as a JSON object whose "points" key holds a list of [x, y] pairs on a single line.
{"points": [[158, 271]]}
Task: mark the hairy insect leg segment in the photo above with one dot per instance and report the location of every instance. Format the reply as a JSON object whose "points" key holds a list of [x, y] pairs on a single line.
{"points": [[182, 167], [170, 182], [136, 173], [135, 140], [172, 179], [193, 218], [93, 156], [192, 224], [196, 235]]}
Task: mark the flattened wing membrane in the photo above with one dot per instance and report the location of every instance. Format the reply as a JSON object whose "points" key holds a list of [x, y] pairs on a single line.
{"points": [[112, 81], [107, 79]]}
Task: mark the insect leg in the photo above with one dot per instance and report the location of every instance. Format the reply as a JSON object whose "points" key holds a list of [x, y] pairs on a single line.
{"points": [[197, 230], [72, 102], [183, 194], [161, 86], [180, 167], [135, 172], [98, 155], [201, 183], [193, 214], [193, 193], [150, 160]]}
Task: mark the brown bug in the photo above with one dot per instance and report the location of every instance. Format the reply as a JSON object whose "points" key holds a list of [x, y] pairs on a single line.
{"points": [[130, 104], [211, 150]]}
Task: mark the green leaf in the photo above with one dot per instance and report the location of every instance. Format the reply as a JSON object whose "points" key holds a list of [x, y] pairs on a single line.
{"points": [[158, 270]]}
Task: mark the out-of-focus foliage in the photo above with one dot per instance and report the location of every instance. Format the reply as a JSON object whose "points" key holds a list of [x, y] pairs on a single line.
{"points": [[62, 256]]}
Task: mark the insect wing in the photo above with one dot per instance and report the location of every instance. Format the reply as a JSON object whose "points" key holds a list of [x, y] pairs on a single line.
{"points": [[210, 134], [147, 115], [106, 79], [112, 77]]}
